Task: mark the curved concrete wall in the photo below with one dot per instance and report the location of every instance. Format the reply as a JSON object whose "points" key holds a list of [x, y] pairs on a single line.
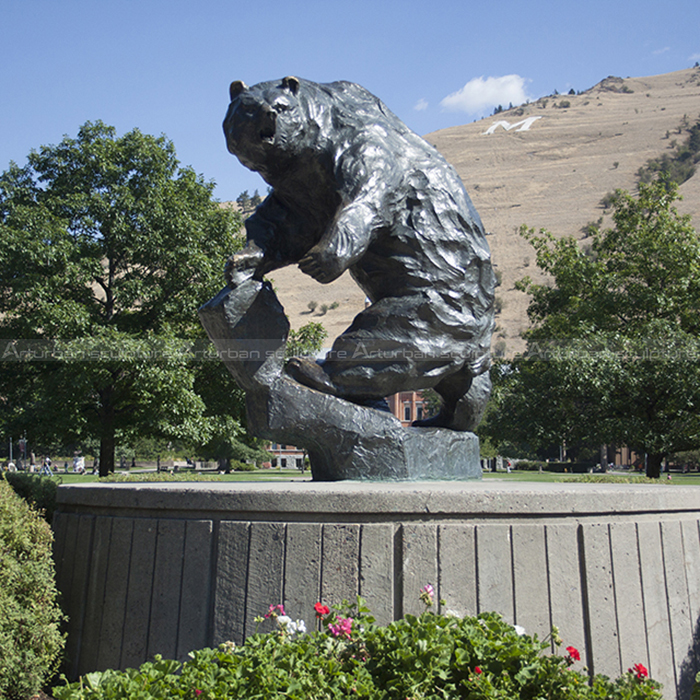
{"points": [[166, 568]]}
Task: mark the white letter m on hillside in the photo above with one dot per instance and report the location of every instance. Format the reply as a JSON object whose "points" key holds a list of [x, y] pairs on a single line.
{"points": [[524, 125]]}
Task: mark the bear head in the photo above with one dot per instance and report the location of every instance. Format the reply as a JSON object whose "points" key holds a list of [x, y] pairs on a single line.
{"points": [[268, 124]]}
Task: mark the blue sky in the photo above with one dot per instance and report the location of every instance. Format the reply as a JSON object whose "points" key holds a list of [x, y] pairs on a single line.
{"points": [[164, 66]]}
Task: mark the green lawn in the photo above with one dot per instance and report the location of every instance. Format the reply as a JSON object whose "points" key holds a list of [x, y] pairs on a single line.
{"points": [[295, 475], [257, 475], [623, 477]]}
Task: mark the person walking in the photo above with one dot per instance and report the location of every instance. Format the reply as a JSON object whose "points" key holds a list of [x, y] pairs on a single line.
{"points": [[46, 467]]}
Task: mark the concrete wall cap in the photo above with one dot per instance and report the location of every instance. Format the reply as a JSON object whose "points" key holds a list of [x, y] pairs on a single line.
{"points": [[410, 498]]}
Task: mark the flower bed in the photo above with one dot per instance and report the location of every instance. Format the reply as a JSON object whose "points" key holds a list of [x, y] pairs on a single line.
{"points": [[424, 657]]}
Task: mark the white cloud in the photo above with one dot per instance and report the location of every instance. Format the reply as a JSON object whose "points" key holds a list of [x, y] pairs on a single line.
{"points": [[480, 94], [658, 52], [695, 57], [421, 105]]}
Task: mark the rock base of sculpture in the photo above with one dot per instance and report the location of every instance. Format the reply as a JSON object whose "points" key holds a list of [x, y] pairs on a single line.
{"points": [[345, 441]]}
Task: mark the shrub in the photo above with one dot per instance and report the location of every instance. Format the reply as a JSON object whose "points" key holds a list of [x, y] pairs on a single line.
{"points": [[242, 466], [30, 640], [570, 467], [425, 657], [529, 465], [38, 491]]}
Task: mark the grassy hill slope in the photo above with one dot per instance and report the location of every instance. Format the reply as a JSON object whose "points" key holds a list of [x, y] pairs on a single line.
{"points": [[552, 175]]}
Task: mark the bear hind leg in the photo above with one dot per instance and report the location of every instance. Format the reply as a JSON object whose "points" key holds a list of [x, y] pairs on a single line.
{"points": [[464, 400]]}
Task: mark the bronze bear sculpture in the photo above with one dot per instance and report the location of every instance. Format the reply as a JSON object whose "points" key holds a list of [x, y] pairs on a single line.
{"points": [[353, 188]]}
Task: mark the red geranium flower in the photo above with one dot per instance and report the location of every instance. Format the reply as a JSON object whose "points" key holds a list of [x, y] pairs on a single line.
{"points": [[573, 653], [477, 669], [640, 671], [321, 609]]}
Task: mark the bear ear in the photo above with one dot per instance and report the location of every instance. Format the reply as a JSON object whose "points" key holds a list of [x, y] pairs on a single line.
{"points": [[291, 83], [236, 88]]}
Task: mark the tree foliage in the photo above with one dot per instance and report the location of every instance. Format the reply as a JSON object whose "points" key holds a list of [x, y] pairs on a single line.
{"points": [[614, 351], [109, 247], [308, 340]]}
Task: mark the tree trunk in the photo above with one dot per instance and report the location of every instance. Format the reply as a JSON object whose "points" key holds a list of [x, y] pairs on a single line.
{"points": [[107, 437], [654, 465]]}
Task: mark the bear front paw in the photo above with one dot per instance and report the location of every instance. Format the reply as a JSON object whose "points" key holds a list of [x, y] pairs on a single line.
{"points": [[321, 265]]}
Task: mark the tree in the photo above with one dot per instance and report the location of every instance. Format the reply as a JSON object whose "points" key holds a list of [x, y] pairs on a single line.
{"points": [[256, 200], [614, 352], [243, 201], [109, 247], [308, 340]]}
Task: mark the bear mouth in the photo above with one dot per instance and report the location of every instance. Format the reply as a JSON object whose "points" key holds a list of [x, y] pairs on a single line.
{"points": [[267, 126], [267, 134]]}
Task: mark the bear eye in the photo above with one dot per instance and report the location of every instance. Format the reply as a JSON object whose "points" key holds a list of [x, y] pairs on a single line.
{"points": [[280, 107]]}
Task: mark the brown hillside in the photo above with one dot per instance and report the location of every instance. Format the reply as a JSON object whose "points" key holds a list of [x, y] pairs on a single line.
{"points": [[552, 175]]}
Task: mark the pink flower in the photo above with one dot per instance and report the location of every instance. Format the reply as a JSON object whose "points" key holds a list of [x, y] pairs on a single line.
{"points": [[197, 692], [321, 609], [343, 628], [639, 670], [275, 610], [573, 654], [426, 594]]}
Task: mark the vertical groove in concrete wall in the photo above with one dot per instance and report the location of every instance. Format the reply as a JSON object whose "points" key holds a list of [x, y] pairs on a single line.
{"points": [[629, 604], [398, 572], [601, 599], [691, 552], [585, 601], [60, 549], [77, 563], [195, 592], [439, 554], [94, 601], [213, 575], [530, 587], [167, 577], [645, 616], [138, 592], [690, 532], [548, 574], [65, 548], [655, 604], [677, 592], [340, 573], [419, 564], [566, 592], [377, 585], [114, 609], [513, 619], [265, 571], [302, 571], [231, 580], [494, 564], [457, 568]]}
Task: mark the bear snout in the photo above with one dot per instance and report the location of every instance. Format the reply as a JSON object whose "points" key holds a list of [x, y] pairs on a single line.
{"points": [[268, 124]]}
